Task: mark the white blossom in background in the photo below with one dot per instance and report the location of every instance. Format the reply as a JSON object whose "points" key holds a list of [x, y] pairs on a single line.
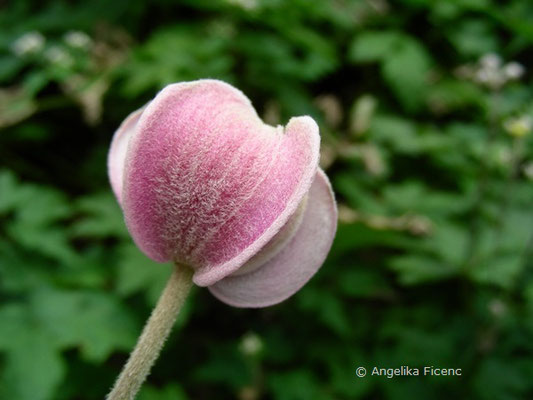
{"points": [[29, 43], [490, 77], [77, 39], [59, 56], [518, 127], [251, 344], [491, 71], [514, 70], [497, 308], [248, 5], [491, 61]]}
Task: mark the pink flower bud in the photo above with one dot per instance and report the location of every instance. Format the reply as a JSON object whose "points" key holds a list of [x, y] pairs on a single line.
{"points": [[202, 181]]}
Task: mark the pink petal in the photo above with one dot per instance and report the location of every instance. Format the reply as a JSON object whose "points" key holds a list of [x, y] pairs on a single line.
{"points": [[285, 273], [117, 152], [207, 183]]}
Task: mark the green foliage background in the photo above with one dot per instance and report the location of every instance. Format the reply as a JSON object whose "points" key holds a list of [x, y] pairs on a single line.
{"points": [[432, 263]]}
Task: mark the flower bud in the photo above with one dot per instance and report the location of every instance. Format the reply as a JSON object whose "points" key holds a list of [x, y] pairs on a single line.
{"points": [[202, 181]]}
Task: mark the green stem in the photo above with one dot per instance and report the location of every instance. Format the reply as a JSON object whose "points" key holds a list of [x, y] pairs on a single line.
{"points": [[153, 336]]}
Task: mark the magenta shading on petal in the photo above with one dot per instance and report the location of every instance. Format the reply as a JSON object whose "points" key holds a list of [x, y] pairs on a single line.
{"points": [[286, 272], [207, 184], [272, 204]]}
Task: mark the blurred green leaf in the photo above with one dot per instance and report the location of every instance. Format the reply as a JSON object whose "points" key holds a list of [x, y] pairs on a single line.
{"points": [[102, 217], [169, 392], [37, 213], [414, 197], [9, 66], [296, 385], [473, 37], [328, 308], [19, 272], [173, 55], [450, 95], [399, 133], [95, 322], [136, 272], [33, 367], [406, 70], [415, 269], [374, 46], [499, 271], [225, 366], [364, 282], [405, 63], [502, 379]]}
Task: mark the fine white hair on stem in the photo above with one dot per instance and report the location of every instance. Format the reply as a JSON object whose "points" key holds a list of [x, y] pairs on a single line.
{"points": [[154, 335]]}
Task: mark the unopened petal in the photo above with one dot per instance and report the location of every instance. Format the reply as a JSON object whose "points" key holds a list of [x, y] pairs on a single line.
{"points": [[269, 207], [117, 152], [285, 273], [207, 183]]}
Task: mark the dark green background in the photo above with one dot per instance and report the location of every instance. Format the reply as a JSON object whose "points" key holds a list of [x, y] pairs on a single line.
{"points": [[432, 263]]}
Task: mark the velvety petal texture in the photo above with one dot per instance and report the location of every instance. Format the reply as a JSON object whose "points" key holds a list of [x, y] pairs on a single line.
{"points": [[287, 271], [204, 182]]}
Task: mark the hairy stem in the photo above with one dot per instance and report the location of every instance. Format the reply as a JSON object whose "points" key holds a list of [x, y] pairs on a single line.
{"points": [[153, 336]]}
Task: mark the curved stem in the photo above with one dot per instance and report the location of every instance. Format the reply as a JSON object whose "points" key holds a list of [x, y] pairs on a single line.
{"points": [[153, 336]]}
